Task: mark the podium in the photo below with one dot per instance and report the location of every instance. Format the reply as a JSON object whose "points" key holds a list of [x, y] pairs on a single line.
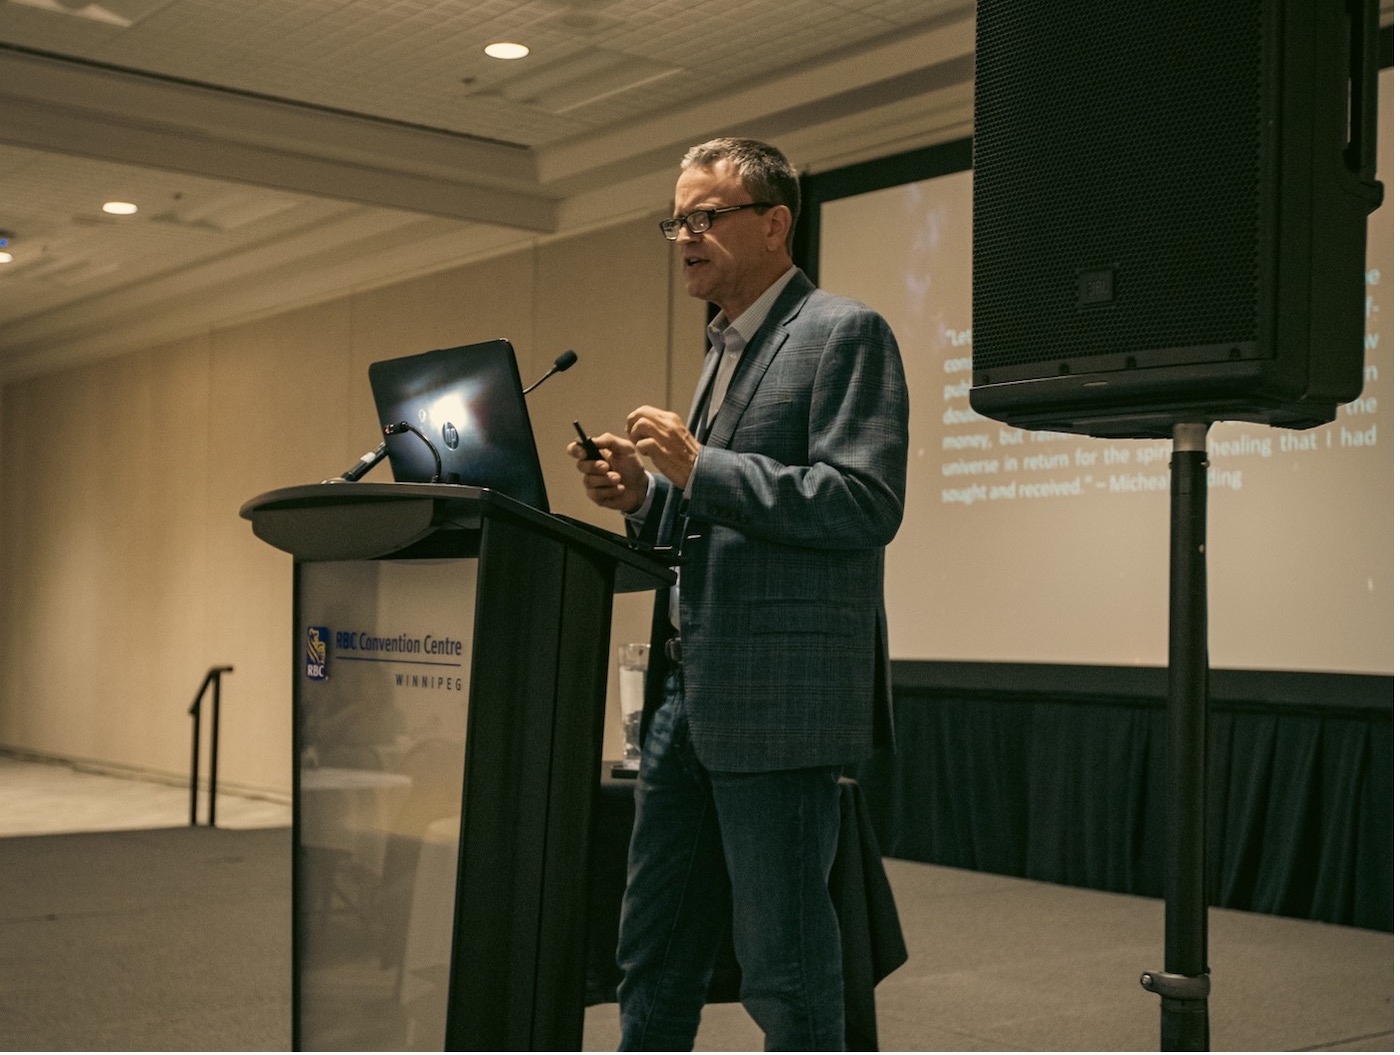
{"points": [[450, 668]]}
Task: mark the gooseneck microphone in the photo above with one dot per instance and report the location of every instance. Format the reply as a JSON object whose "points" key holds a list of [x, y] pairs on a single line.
{"points": [[561, 364], [403, 426]]}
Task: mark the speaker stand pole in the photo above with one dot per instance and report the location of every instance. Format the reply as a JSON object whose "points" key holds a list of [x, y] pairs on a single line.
{"points": [[1184, 985]]}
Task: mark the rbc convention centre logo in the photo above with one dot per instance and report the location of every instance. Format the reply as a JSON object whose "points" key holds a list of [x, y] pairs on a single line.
{"points": [[317, 640], [444, 657]]}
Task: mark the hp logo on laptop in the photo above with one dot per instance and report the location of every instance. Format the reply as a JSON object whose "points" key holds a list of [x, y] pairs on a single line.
{"points": [[449, 435]]}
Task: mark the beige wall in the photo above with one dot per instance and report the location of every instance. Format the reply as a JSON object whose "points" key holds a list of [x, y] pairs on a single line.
{"points": [[126, 571]]}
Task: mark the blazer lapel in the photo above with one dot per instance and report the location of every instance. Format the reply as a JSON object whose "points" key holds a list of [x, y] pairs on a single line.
{"points": [[757, 357], [701, 401], [672, 522]]}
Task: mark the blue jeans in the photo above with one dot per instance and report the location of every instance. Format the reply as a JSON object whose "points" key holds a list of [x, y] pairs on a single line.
{"points": [[699, 834]]}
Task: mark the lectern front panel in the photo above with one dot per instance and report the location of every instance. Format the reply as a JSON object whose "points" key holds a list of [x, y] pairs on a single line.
{"points": [[381, 724]]}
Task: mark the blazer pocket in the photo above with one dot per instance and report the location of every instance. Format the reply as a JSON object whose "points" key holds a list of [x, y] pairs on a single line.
{"points": [[803, 617], [786, 414], [757, 413]]}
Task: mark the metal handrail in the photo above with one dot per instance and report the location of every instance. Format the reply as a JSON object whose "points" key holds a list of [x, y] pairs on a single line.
{"points": [[214, 677]]}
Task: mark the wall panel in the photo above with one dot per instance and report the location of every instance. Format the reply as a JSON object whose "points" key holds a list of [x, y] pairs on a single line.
{"points": [[126, 571]]}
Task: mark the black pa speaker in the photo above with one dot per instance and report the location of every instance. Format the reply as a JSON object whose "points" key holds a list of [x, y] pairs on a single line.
{"points": [[1169, 211]]}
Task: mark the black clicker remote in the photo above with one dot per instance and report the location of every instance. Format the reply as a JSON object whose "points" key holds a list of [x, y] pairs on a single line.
{"points": [[589, 447]]}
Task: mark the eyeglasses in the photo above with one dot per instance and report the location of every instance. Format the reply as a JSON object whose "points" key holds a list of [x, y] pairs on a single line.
{"points": [[700, 220]]}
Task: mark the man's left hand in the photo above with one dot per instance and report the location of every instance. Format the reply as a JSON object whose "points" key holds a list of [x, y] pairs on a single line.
{"points": [[662, 436]]}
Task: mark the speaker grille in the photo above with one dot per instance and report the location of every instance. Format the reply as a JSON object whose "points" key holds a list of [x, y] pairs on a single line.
{"points": [[1121, 144]]}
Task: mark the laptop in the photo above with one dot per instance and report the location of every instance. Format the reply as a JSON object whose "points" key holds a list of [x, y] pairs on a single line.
{"points": [[461, 419]]}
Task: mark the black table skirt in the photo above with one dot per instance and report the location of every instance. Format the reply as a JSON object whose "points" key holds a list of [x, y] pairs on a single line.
{"points": [[1057, 773]]}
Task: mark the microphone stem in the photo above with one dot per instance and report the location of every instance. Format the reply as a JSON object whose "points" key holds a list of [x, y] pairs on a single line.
{"points": [[551, 373], [561, 364]]}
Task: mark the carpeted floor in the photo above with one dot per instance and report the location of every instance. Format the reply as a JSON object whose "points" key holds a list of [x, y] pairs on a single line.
{"points": [[179, 939], [170, 940]]}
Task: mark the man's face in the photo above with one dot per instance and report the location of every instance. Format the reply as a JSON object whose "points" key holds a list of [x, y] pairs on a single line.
{"points": [[734, 261]]}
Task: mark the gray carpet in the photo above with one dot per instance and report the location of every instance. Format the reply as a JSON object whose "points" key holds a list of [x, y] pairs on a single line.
{"points": [[179, 939], [170, 940]]}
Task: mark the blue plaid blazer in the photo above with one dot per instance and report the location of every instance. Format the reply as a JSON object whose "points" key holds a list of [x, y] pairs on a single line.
{"points": [[798, 488]]}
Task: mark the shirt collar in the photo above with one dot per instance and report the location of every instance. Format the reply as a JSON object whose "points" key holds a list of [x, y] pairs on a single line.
{"points": [[748, 322]]}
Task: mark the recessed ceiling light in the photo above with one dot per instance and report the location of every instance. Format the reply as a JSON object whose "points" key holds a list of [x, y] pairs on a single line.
{"points": [[119, 208], [506, 50]]}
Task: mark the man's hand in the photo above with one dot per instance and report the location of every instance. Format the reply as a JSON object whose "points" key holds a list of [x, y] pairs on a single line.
{"points": [[619, 480], [662, 436]]}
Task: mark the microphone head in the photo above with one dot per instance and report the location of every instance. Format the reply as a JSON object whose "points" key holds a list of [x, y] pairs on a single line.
{"points": [[566, 360]]}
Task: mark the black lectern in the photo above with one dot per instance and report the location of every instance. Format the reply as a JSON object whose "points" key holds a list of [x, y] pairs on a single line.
{"points": [[450, 670]]}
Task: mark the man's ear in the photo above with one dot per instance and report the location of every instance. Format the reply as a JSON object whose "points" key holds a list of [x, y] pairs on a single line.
{"points": [[779, 219]]}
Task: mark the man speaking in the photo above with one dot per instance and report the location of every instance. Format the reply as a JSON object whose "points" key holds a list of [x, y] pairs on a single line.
{"points": [[769, 661]]}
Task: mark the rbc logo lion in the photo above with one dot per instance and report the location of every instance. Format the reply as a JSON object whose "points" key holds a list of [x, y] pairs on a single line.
{"points": [[317, 639]]}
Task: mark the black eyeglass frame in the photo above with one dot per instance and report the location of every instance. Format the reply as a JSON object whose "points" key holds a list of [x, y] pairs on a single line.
{"points": [[672, 228]]}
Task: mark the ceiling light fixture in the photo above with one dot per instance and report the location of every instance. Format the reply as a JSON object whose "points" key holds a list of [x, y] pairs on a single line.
{"points": [[118, 208], [5, 257], [506, 50]]}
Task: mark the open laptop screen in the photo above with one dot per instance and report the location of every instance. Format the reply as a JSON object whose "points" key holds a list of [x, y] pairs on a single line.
{"points": [[467, 403]]}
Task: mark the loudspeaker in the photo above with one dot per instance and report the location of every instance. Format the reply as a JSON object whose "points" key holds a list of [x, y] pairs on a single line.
{"points": [[1169, 211]]}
